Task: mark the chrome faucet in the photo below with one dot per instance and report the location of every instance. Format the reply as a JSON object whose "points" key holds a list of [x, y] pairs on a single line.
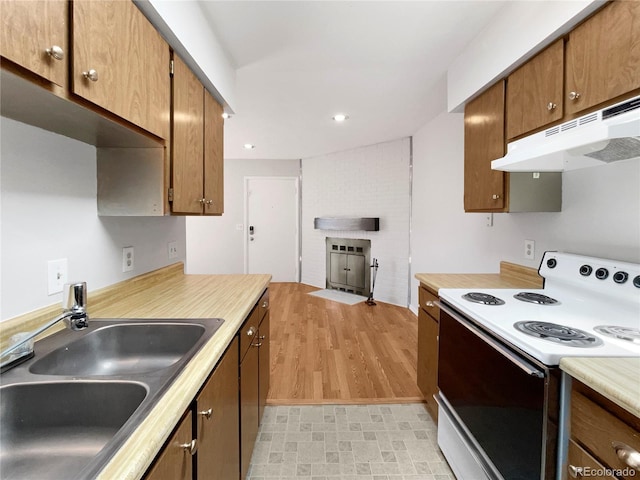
{"points": [[75, 316]]}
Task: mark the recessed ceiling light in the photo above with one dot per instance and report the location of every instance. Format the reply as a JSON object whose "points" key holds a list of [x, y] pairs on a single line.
{"points": [[340, 117], [226, 115], [249, 146]]}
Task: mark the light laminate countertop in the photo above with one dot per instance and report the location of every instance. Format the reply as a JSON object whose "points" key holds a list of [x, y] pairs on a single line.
{"points": [[230, 297], [618, 379], [165, 293]]}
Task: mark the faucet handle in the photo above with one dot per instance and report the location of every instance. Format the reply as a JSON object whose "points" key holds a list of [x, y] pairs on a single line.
{"points": [[74, 297], [74, 302]]}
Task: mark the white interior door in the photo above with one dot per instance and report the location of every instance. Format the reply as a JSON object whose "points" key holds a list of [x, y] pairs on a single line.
{"points": [[271, 227]]}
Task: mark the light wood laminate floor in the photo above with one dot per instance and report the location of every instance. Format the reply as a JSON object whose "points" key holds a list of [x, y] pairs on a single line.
{"points": [[328, 352]]}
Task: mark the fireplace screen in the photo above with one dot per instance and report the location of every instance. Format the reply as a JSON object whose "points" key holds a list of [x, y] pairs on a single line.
{"points": [[348, 265]]}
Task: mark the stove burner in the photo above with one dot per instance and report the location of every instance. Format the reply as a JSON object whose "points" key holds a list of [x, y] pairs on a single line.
{"points": [[532, 297], [483, 298], [561, 334], [629, 334]]}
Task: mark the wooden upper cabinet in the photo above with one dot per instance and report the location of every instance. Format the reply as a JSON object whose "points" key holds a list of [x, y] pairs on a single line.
{"points": [[534, 92], [603, 56], [187, 140], [484, 189], [34, 35], [121, 63], [213, 156]]}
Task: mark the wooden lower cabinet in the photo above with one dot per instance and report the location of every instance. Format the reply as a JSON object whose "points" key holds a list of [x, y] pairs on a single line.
{"points": [[254, 377], [175, 462], [218, 417], [598, 427], [428, 328]]}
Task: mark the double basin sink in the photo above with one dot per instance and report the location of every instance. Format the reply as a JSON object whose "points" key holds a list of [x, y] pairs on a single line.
{"points": [[64, 413]]}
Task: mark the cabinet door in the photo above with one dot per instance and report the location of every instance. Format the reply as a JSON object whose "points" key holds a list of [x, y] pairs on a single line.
{"points": [[428, 360], [603, 56], [187, 142], [213, 156], [484, 189], [29, 30], [264, 364], [218, 421], [534, 92], [355, 271], [248, 407], [338, 272], [130, 60], [175, 462]]}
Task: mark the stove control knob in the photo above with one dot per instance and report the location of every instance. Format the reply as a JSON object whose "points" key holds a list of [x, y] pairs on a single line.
{"points": [[552, 262], [636, 281], [620, 277], [602, 273], [585, 270]]}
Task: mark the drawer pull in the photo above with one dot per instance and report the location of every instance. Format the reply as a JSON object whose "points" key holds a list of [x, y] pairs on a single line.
{"points": [[574, 471], [191, 447], [430, 304], [627, 455], [206, 413], [251, 332], [259, 344]]}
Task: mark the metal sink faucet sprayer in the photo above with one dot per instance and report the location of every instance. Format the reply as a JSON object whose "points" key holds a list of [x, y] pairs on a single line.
{"points": [[75, 316]]}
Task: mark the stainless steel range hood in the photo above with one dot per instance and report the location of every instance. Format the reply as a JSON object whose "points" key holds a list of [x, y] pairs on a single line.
{"points": [[605, 136]]}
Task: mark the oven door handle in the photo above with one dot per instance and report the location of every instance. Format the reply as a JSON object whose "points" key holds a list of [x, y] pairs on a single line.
{"points": [[505, 352]]}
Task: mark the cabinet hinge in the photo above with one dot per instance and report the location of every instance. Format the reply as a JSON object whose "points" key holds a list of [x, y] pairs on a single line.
{"points": [[171, 194], [171, 68]]}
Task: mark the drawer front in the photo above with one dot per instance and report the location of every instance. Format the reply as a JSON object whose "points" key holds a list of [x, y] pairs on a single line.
{"points": [[597, 429], [427, 303], [250, 327], [583, 465]]}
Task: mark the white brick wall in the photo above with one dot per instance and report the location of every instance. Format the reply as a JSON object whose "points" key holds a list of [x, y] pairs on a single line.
{"points": [[370, 181]]}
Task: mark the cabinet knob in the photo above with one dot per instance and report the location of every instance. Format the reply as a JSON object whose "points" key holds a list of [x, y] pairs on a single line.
{"points": [[495, 196], [574, 471], [265, 304], [259, 344], [202, 201], [628, 455], [209, 203], [551, 106], [55, 52], [251, 332], [206, 413], [430, 304], [191, 447], [91, 75], [574, 95], [262, 337]]}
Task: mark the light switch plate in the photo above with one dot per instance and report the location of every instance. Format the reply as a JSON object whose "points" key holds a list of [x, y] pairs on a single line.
{"points": [[57, 275]]}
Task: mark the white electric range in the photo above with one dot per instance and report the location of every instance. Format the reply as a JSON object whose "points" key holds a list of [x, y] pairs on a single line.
{"points": [[589, 307]]}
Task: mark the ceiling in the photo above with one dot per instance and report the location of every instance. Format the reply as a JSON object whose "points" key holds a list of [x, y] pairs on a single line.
{"points": [[383, 63]]}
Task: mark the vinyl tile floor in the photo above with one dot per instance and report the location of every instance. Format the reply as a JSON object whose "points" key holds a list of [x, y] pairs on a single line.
{"points": [[348, 442]]}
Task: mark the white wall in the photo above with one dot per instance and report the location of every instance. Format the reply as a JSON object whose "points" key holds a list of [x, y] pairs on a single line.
{"points": [[371, 181], [48, 211], [600, 213], [215, 244]]}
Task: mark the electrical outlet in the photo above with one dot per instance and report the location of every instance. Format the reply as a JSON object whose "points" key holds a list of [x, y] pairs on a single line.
{"points": [[127, 259], [489, 219], [57, 275], [529, 249], [172, 249]]}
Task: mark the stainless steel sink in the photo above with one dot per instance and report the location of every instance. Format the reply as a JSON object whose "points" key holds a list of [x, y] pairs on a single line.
{"points": [[122, 349], [64, 413], [51, 429]]}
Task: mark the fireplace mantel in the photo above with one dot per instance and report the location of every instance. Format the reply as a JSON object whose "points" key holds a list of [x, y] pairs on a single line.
{"points": [[371, 224]]}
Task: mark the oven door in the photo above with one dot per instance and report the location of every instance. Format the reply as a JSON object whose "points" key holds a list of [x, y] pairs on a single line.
{"points": [[496, 398]]}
